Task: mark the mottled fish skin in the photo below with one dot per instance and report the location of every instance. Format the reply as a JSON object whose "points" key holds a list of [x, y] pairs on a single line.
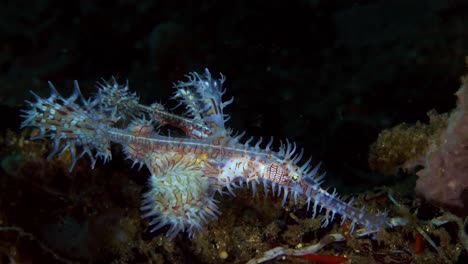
{"points": [[186, 172]]}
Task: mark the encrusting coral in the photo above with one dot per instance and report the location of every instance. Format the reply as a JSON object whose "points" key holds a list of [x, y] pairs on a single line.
{"points": [[440, 147], [403, 145], [445, 175]]}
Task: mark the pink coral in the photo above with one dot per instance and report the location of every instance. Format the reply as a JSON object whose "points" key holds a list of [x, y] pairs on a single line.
{"points": [[445, 175]]}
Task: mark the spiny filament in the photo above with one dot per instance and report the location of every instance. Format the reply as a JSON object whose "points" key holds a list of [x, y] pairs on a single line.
{"points": [[185, 172]]}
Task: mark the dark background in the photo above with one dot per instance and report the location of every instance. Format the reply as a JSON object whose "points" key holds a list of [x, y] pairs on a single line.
{"points": [[326, 74]]}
